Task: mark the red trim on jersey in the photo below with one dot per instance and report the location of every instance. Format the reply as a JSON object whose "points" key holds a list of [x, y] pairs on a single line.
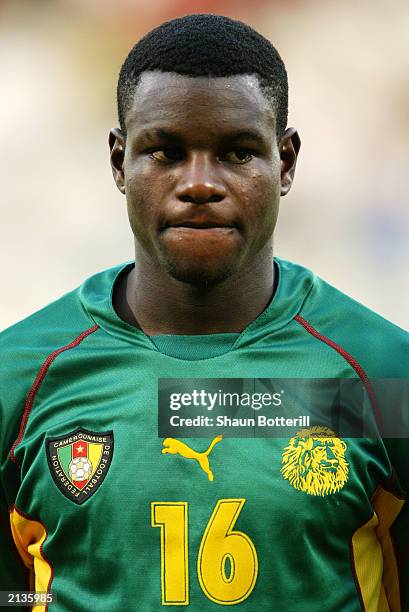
{"points": [[37, 384], [352, 362]]}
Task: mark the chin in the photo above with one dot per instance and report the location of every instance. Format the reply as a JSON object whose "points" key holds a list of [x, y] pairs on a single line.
{"points": [[199, 276]]}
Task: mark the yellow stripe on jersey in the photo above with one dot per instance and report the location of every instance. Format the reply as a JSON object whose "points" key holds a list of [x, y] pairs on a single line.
{"points": [[368, 562], [387, 506], [374, 558], [94, 455], [29, 535]]}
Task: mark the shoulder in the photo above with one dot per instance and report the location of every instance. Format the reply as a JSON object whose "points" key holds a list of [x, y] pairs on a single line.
{"points": [[56, 323], [45, 329], [379, 345], [30, 346]]}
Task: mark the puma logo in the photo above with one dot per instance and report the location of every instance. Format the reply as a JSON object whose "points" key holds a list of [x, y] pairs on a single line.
{"points": [[176, 447]]}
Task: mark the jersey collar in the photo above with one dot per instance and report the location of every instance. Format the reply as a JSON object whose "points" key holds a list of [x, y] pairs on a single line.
{"points": [[294, 284]]}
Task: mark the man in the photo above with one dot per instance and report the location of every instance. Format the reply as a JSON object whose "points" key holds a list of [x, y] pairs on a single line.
{"points": [[104, 513]]}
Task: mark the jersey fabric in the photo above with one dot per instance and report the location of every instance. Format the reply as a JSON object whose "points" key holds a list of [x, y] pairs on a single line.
{"points": [[196, 523]]}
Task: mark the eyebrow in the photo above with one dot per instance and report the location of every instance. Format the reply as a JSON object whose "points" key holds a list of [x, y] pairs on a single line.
{"points": [[244, 135], [153, 134], [159, 133]]}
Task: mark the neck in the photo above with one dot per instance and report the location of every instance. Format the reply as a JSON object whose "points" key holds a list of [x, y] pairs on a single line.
{"points": [[157, 303]]}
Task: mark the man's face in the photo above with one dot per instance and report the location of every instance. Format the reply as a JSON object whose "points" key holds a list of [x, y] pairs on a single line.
{"points": [[202, 173]]}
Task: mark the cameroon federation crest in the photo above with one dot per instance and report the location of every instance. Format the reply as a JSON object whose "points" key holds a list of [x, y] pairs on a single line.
{"points": [[79, 462]]}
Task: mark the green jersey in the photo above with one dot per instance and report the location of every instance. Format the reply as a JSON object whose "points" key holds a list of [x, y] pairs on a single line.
{"points": [[99, 510]]}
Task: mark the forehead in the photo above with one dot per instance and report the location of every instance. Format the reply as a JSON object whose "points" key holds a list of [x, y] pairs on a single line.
{"points": [[235, 101]]}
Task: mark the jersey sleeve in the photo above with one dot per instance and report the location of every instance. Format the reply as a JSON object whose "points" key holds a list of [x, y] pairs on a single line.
{"points": [[24, 349], [400, 539], [398, 452], [14, 576], [378, 352]]}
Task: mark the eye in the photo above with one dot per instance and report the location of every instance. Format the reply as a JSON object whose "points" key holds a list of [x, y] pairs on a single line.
{"points": [[167, 154], [237, 156]]}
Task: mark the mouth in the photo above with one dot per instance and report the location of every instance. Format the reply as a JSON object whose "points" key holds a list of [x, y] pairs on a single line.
{"points": [[202, 226], [208, 225], [205, 228], [196, 232]]}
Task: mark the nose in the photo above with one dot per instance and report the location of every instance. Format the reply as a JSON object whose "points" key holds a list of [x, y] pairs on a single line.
{"points": [[200, 182]]}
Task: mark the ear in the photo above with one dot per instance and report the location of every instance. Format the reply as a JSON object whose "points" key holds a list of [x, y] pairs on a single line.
{"points": [[117, 149], [289, 147]]}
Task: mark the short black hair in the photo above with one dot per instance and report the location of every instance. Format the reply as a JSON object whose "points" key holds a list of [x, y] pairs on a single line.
{"points": [[206, 45]]}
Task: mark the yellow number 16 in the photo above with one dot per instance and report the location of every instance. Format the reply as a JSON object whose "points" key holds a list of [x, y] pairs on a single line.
{"points": [[220, 583]]}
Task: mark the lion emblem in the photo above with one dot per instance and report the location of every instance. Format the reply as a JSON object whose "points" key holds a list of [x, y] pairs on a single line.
{"points": [[314, 461]]}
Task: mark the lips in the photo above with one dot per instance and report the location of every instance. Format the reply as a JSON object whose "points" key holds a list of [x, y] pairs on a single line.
{"points": [[201, 222], [204, 225]]}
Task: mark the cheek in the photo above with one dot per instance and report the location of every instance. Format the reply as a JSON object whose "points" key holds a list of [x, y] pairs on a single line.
{"points": [[137, 182], [262, 200], [140, 205], [143, 193], [137, 206]]}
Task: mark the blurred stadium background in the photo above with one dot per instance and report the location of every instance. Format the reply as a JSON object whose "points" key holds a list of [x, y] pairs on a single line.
{"points": [[347, 216]]}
